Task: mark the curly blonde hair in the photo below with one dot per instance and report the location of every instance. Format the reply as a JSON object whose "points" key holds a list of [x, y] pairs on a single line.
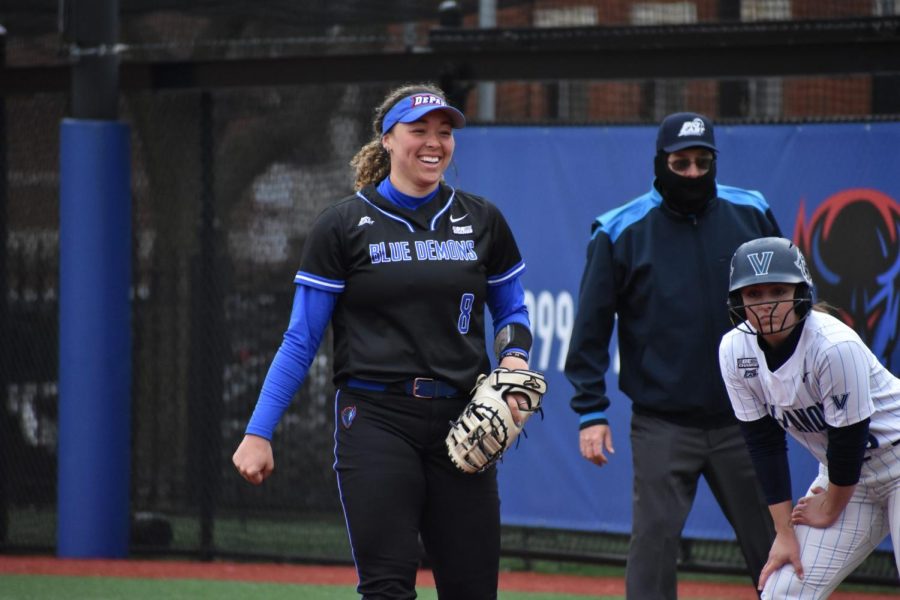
{"points": [[372, 163]]}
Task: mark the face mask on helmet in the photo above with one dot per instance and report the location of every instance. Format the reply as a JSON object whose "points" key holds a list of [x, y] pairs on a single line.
{"points": [[769, 260], [801, 304]]}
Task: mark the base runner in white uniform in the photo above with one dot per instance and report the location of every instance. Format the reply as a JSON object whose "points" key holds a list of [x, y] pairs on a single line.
{"points": [[791, 367]]}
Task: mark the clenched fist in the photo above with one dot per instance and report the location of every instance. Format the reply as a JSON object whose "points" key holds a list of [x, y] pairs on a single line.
{"points": [[253, 459]]}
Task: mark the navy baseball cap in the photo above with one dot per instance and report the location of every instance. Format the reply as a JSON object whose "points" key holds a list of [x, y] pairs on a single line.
{"points": [[685, 130], [415, 106]]}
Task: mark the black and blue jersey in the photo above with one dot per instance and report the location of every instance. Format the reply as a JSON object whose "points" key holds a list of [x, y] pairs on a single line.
{"points": [[405, 290], [445, 255]]}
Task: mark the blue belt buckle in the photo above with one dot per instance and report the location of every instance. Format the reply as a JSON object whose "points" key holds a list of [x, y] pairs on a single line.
{"points": [[426, 381]]}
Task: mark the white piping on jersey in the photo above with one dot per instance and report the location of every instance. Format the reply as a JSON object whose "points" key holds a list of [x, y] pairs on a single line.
{"points": [[322, 283], [443, 210], [514, 272], [387, 214], [404, 221]]}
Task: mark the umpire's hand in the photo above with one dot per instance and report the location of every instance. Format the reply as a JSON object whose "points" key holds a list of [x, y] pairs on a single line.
{"points": [[253, 459], [593, 440]]}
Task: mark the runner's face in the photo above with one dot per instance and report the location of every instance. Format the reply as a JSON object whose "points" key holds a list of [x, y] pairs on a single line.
{"points": [[770, 309], [420, 152]]}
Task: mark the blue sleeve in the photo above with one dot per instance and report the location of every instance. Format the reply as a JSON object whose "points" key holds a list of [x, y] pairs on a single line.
{"points": [[506, 301], [309, 319]]}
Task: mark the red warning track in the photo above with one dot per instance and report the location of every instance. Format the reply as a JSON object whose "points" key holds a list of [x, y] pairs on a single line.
{"points": [[330, 575]]}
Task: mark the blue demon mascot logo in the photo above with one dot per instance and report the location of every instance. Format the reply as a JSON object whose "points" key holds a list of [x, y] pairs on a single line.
{"points": [[852, 245]]}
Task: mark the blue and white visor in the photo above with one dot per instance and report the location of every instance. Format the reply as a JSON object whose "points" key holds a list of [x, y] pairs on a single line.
{"points": [[414, 107]]}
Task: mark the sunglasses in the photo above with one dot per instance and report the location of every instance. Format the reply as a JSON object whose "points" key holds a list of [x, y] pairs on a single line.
{"points": [[680, 165]]}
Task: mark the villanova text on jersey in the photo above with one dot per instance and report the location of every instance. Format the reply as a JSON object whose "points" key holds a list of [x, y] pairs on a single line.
{"points": [[422, 250], [807, 419]]}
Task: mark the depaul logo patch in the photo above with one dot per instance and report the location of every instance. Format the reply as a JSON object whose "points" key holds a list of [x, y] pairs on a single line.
{"points": [[347, 416]]}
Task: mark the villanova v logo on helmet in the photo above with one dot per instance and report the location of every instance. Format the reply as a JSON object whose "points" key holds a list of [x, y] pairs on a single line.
{"points": [[760, 261]]}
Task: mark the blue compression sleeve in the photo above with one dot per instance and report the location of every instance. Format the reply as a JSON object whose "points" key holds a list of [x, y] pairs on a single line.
{"points": [[309, 319], [506, 301]]}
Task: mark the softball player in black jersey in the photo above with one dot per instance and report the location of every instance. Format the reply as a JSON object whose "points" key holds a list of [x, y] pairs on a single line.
{"points": [[403, 270]]}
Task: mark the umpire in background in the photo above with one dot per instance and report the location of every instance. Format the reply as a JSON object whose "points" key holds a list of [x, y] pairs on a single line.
{"points": [[660, 263]]}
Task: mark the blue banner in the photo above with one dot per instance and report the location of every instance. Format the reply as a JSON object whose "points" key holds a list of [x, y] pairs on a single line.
{"points": [[834, 189]]}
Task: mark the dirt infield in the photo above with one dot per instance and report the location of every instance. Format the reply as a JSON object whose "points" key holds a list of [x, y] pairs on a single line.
{"points": [[328, 575]]}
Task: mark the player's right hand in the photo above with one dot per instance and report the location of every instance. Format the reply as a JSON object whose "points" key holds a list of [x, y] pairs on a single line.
{"points": [[593, 440], [253, 459], [785, 549]]}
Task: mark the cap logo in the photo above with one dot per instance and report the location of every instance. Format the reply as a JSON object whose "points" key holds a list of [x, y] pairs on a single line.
{"points": [[412, 107], [427, 99], [760, 261], [694, 127]]}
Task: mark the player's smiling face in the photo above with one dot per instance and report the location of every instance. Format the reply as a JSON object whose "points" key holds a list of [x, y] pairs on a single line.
{"points": [[420, 152], [770, 309]]}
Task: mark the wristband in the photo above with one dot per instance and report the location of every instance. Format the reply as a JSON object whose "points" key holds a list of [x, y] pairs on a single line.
{"points": [[516, 352], [513, 337]]}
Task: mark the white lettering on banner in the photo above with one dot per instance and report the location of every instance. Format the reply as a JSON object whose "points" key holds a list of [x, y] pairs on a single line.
{"points": [[552, 318]]}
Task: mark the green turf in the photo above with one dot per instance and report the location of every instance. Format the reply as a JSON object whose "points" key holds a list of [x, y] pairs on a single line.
{"points": [[107, 588], [47, 587], [42, 587]]}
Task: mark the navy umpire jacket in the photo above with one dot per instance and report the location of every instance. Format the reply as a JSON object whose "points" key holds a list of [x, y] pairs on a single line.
{"points": [[665, 275]]}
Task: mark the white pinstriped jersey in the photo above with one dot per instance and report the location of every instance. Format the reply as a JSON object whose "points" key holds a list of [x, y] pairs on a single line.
{"points": [[832, 378]]}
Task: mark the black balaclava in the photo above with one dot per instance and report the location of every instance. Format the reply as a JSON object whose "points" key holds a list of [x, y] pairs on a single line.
{"points": [[684, 195]]}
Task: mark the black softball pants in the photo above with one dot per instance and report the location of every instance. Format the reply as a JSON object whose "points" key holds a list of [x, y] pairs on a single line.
{"points": [[397, 483]]}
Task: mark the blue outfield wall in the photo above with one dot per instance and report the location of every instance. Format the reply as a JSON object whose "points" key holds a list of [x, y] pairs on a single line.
{"points": [[834, 188]]}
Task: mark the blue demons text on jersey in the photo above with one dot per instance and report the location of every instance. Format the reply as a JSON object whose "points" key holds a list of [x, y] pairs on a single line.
{"points": [[425, 250]]}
